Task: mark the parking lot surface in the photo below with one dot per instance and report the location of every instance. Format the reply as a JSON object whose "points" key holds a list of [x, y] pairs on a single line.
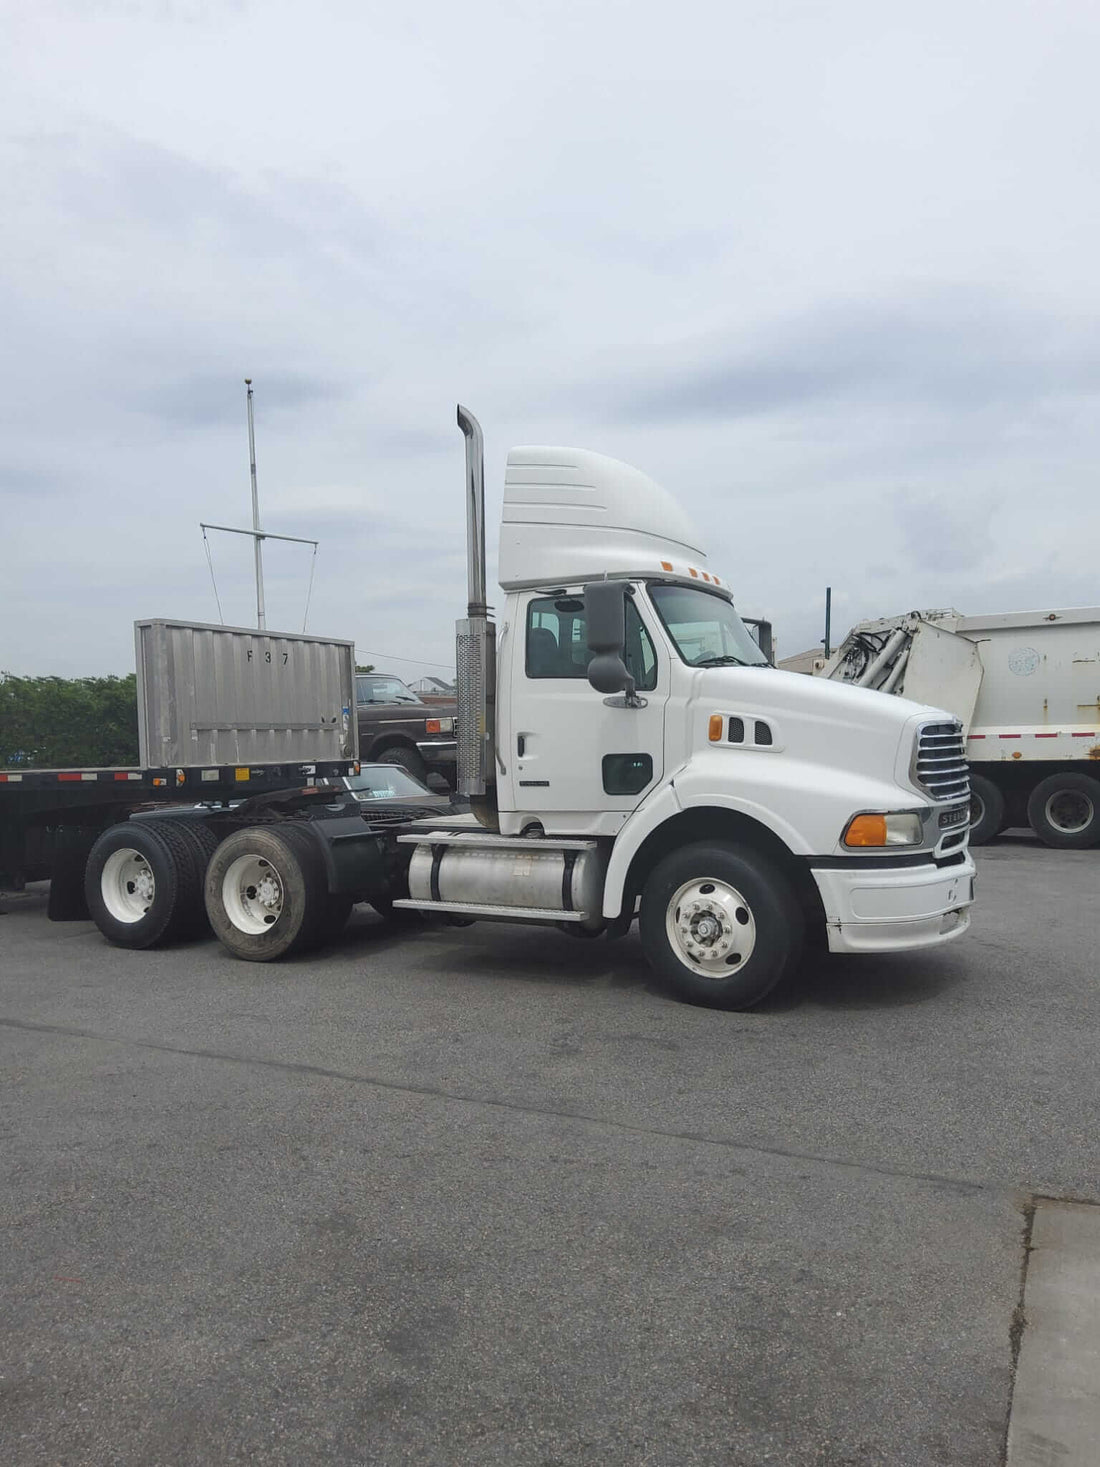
{"points": [[491, 1196]]}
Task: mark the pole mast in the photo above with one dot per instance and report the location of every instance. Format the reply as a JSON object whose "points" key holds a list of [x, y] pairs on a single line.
{"points": [[257, 534]]}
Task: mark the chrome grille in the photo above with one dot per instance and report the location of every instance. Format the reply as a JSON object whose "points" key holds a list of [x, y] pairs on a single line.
{"points": [[939, 761]]}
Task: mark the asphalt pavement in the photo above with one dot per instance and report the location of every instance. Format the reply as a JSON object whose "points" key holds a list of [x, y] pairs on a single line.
{"points": [[493, 1197]]}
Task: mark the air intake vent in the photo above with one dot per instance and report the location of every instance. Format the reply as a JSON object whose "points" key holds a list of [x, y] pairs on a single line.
{"points": [[939, 763]]}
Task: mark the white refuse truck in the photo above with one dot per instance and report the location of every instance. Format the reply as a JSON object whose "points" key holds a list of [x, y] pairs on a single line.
{"points": [[628, 753], [1025, 685]]}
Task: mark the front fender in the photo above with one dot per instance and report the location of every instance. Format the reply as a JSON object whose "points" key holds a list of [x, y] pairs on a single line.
{"points": [[651, 813], [804, 805], [672, 800]]}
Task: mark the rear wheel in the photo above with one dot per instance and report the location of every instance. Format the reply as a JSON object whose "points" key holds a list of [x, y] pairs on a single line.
{"points": [[1064, 811], [203, 843], [265, 892], [987, 810], [141, 884], [720, 924]]}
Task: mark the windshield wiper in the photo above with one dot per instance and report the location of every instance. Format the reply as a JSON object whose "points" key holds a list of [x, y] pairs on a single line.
{"points": [[726, 661]]}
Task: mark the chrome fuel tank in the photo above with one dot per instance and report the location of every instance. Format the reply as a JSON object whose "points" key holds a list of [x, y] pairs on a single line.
{"points": [[544, 876]]}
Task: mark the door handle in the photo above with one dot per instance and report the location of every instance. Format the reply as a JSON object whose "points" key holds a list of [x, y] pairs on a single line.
{"points": [[521, 744]]}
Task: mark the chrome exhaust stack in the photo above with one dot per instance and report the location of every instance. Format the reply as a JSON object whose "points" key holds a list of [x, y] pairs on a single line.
{"points": [[475, 646]]}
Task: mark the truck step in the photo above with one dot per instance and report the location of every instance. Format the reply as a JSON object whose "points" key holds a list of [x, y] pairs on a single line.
{"points": [[508, 914], [494, 842]]}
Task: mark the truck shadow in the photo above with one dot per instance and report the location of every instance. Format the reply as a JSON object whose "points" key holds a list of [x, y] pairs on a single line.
{"points": [[519, 954], [873, 981], [525, 955]]}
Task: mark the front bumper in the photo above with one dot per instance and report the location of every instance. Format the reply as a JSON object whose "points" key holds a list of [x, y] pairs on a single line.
{"points": [[438, 751], [888, 909]]}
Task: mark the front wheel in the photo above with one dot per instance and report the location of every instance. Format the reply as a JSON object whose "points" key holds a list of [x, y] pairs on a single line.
{"points": [[720, 924]]}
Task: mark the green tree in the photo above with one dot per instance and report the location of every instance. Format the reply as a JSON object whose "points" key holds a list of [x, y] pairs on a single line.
{"points": [[58, 723]]}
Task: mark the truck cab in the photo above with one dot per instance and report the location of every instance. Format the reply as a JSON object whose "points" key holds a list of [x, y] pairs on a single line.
{"points": [[627, 727]]}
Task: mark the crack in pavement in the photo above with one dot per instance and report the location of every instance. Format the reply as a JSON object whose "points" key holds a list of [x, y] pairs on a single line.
{"points": [[437, 1092]]}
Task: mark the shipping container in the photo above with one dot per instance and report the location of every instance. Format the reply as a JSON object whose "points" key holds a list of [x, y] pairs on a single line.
{"points": [[217, 695]]}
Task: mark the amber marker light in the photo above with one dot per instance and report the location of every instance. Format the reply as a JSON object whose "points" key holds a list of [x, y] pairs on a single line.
{"points": [[716, 728]]}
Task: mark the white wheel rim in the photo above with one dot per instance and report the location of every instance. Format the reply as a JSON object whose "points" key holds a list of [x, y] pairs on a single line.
{"points": [[710, 927], [127, 885], [1069, 811], [252, 894]]}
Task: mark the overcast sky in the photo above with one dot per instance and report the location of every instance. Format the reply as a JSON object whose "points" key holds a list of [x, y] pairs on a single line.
{"points": [[827, 271]]}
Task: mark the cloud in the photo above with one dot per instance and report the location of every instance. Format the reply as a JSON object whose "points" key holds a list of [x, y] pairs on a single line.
{"points": [[208, 401], [823, 274], [960, 349]]}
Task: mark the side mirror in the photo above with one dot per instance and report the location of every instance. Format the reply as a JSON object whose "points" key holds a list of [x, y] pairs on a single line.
{"points": [[605, 604], [761, 633]]}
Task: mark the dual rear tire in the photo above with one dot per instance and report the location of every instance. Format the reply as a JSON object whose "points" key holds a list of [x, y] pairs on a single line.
{"points": [[267, 893], [263, 890], [1063, 810], [143, 881]]}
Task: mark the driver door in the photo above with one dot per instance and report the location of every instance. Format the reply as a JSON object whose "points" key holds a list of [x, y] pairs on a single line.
{"points": [[577, 764]]}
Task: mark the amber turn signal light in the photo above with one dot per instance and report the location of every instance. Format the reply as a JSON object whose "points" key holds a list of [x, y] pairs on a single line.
{"points": [[866, 830]]}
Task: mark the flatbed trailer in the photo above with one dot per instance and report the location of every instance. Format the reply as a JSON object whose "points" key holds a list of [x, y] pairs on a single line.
{"points": [[51, 818]]}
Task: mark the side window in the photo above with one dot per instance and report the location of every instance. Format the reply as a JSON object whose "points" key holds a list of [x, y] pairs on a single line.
{"points": [[557, 642], [557, 637]]}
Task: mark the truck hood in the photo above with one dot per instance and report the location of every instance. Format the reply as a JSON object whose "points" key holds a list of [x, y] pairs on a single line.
{"points": [[845, 730], [818, 697]]}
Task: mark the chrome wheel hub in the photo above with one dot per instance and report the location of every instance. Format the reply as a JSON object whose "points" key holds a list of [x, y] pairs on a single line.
{"points": [[710, 927]]}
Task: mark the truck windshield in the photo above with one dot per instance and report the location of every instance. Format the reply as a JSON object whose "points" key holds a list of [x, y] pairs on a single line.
{"points": [[705, 628], [377, 689], [385, 782]]}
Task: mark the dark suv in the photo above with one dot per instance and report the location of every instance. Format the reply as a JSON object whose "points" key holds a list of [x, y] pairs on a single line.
{"points": [[397, 727]]}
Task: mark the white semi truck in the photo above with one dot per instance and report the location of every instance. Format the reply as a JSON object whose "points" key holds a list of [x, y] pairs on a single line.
{"points": [[628, 752], [1025, 685]]}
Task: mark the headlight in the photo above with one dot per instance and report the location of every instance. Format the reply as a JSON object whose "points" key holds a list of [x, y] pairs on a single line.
{"points": [[883, 830]]}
